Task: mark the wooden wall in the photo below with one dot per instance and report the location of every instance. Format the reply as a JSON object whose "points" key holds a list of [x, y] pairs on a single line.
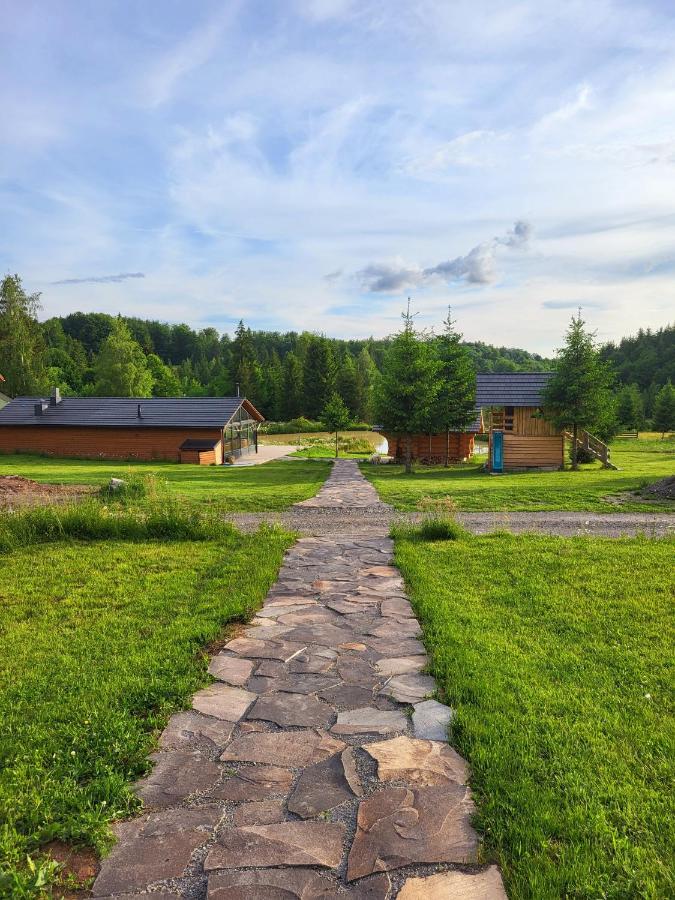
{"points": [[101, 443], [524, 451], [525, 422], [431, 448]]}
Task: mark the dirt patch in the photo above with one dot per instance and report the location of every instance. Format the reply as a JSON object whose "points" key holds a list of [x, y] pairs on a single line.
{"points": [[15, 490], [661, 490], [79, 867]]}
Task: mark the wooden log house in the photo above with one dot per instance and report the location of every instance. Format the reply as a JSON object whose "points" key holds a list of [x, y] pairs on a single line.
{"points": [[509, 410], [200, 430]]}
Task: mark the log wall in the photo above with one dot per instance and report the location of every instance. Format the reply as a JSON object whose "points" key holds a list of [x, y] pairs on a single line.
{"points": [[101, 443], [525, 451], [430, 448]]}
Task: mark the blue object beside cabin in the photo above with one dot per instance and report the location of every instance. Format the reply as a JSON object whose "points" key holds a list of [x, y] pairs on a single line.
{"points": [[497, 462]]}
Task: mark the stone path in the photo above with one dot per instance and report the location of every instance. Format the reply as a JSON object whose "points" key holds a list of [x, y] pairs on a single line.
{"points": [[316, 765]]}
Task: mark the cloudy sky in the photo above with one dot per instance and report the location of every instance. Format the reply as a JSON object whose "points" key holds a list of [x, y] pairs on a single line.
{"points": [[311, 163]]}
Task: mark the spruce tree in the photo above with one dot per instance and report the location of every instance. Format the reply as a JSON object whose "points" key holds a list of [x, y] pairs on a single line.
{"points": [[245, 372], [165, 382], [21, 342], [629, 411], [335, 417], [367, 376], [455, 406], [664, 410], [407, 389], [347, 384], [318, 376], [293, 390], [578, 393], [121, 369]]}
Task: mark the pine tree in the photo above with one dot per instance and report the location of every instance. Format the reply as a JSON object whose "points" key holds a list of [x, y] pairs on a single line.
{"points": [[21, 342], [121, 368], [407, 390], [629, 411], [664, 410], [318, 377], [335, 417], [348, 385], [244, 372], [578, 393], [293, 397], [455, 406], [273, 374], [367, 375]]}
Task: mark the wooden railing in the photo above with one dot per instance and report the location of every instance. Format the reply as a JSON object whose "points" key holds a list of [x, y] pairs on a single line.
{"points": [[594, 446]]}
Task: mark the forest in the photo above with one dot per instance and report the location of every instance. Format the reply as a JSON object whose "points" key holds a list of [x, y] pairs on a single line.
{"points": [[285, 374]]}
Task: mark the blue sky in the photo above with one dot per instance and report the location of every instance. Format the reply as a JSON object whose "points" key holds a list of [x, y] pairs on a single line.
{"points": [[311, 163]]}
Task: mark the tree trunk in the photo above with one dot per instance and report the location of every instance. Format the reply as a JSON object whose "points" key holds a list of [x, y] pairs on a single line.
{"points": [[408, 454], [447, 447], [575, 464], [336, 445]]}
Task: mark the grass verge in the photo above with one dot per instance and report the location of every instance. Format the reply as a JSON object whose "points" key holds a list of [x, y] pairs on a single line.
{"points": [[589, 489], [101, 642], [273, 486], [556, 654]]}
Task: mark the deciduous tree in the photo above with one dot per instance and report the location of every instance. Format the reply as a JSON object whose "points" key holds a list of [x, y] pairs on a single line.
{"points": [[21, 344], [664, 410], [121, 368], [335, 417]]}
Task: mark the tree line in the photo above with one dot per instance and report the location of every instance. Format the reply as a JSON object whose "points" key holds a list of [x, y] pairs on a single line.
{"points": [[286, 375]]}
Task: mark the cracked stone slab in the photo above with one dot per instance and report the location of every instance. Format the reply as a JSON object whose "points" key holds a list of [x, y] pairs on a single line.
{"points": [[348, 696], [401, 665], [259, 649], [231, 669], [431, 720], [404, 647], [291, 884], [283, 748], [254, 783], [301, 710], [259, 812], [161, 895], [401, 826], [418, 762], [153, 848], [176, 775], [409, 688], [391, 628], [286, 844], [369, 720], [223, 702], [397, 607], [186, 728], [325, 785], [487, 885]]}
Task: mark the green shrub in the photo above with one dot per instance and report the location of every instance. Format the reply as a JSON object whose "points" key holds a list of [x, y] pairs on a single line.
{"points": [[439, 529], [583, 455]]}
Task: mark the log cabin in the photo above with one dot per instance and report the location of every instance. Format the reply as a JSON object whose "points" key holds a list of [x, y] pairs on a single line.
{"points": [[199, 430], [509, 409], [519, 436]]}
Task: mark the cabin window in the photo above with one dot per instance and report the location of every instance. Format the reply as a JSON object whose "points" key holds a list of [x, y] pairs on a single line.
{"points": [[509, 413]]}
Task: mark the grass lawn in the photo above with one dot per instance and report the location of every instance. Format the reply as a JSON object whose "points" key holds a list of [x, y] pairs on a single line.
{"points": [[556, 654], [321, 444], [472, 489], [101, 641], [273, 485]]}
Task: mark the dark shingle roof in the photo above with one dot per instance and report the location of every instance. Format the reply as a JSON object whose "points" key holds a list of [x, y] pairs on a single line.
{"points": [[510, 388], [156, 412], [196, 444]]}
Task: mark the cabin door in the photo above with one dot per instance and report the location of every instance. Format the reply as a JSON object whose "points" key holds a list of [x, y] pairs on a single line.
{"points": [[497, 461]]}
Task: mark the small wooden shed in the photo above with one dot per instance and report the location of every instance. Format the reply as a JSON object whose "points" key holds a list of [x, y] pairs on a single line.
{"points": [[204, 430], [520, 437]]}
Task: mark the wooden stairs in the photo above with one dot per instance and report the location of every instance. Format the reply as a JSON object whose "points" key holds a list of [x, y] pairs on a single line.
{"points": [[594, 446]]}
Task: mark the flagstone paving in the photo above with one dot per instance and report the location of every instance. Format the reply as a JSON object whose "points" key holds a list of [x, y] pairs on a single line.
{"points": [[316, 765]]}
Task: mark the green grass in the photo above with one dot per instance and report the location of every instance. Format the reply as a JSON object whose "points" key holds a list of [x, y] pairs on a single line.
{"points": [[556, 654], [274, 485], [472, 489], [101, 641]]}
